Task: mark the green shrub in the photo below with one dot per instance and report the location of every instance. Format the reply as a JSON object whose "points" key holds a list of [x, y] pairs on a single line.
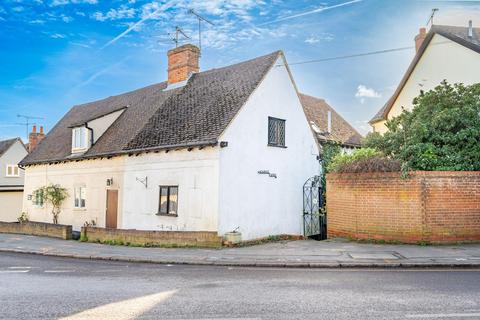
{"points": [[442, 132], [363, 160]]}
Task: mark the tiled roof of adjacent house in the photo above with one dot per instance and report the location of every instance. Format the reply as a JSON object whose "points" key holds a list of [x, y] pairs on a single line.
{"points": [[6, 144], [193, 115], [457, 34], [317, 114]]}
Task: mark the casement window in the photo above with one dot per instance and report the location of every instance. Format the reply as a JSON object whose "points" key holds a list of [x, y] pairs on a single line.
{"points": [[276, 132], [79, 195], [168, 200], [79, 138], [12, 170], [38, 198]]}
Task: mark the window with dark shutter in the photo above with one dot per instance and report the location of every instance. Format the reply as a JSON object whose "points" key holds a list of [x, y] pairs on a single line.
{"points": [[276, 132]]}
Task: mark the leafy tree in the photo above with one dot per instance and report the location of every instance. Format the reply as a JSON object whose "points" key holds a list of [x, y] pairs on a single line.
{"points": [[442, 132], [55, 195]]}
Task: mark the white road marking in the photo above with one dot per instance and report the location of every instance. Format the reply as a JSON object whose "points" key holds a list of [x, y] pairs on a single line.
{"points": [[123, 310], [14, 271], [19, 267], [58, 271], [442, 315]]}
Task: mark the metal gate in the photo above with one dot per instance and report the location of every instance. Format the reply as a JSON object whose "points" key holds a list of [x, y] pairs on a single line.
{"points": [[314, 216]]}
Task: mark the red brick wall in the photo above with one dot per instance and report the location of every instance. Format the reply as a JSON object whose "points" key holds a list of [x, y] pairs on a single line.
{"points": [[428, 206]]}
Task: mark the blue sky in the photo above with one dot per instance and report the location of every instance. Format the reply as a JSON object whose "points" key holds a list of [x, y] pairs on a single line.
{"points": [[58, 53]]}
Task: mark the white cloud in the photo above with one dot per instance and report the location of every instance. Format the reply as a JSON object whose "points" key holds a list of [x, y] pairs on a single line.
{"points": [[66, 19], [317, 10], [365, 92], [115, 14], [37, 21], [55, 3], [312, 40], [57, 36], [18, 9]]}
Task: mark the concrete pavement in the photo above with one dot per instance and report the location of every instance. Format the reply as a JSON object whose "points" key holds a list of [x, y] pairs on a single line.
{"points": [[305, 253]]}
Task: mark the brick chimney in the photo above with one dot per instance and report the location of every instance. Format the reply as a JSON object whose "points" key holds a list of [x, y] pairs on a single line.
{"points": [[34, 138], [182, 62], [422, 34]]}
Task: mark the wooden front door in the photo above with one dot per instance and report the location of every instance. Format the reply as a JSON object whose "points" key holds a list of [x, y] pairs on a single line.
{"points": [[112, 206]]}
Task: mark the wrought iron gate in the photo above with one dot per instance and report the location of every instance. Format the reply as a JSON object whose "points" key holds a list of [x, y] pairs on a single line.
{"points": [[314, 217]]}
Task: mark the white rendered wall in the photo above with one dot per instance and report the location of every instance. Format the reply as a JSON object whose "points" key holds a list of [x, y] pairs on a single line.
{"points": [[196, 175], [255, 203], [92, 174], [443, 59]]}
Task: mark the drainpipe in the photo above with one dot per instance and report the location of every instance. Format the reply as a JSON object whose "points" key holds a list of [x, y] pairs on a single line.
{"points": [[91, 135]]}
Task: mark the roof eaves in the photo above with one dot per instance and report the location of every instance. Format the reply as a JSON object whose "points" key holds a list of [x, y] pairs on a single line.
{"points": [[198, 144]]}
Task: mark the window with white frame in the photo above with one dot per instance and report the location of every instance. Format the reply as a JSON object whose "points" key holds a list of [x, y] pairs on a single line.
{"points": [[12, 170], [79, 138], [79, 195]]}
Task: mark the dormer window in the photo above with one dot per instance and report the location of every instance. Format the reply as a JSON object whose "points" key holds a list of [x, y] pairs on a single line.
{"points": [[79, 139]]}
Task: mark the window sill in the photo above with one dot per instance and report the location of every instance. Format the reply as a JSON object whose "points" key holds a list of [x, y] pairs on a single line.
{"points": [[166, 215], [79, 209], [276, 146], [12, 176]]}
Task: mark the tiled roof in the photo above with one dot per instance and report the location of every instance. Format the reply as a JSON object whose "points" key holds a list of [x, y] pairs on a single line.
{"points": [[193, 115], [317, 113], [6, 144], [453, 33]]}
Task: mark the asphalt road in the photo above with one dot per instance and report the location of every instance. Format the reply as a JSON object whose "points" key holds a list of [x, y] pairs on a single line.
{"points": [[37, 287]]}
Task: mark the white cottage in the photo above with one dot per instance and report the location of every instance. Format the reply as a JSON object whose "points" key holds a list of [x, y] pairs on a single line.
{"points": [[449, 53], [219, 150]]}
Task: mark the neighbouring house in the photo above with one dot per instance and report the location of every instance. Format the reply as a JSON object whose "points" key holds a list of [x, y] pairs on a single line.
{"points": [[328, 125], [444, 53], [12, 151], [218, 150]]}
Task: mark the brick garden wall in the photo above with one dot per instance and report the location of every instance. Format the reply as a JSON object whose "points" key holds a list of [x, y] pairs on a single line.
{"points": [[37, 229], [436, 206], [153, 238]]}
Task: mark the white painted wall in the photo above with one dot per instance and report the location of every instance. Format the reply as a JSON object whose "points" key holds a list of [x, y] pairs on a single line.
{"points": [[443, 59], [257, 204], [196, 175], [92, 174]]}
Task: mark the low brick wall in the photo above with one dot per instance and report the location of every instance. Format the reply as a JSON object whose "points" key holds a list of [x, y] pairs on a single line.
{"points": [[152, 238], [430, 206], [37, 229]]}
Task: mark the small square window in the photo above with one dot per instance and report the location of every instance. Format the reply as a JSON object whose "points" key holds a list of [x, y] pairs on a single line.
{"points": [[276, 132], [12, 170], [79, 195], [168, 200]]}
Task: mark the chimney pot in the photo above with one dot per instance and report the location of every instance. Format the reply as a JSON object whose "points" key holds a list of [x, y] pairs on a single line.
{"points": [[470, 29], [182, 62], [35, 137], [422, 34]]}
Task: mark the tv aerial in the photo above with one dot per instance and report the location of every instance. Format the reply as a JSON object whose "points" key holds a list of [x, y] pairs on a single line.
{"points": [[200, 20]]}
